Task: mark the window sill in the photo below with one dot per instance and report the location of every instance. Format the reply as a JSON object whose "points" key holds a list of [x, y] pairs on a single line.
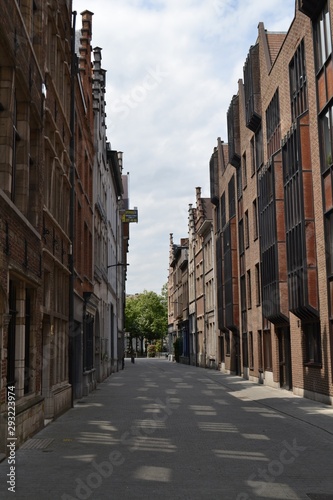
{"points": [[313, 364]]}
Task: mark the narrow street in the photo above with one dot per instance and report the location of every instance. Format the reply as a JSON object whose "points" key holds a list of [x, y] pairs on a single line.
{"points": [[161, 430]]}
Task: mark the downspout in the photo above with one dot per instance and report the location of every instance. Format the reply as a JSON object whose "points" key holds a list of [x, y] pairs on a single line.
{"points": [[71, 339]]}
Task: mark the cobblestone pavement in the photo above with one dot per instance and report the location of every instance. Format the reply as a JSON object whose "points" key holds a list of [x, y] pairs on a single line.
{"points": [[161, 430]]}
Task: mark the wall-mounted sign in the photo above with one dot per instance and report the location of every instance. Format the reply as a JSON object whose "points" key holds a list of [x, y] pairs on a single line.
{"points": [[130, 216]]}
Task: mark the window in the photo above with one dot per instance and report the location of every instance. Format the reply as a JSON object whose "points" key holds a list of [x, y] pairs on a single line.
{"points": [[218, 216], [221, 349], [239, 183], [223, 214], [326, 127], [251, 354], [27, 361], [88, 342], [246, 221], [260, 352], [273, 125], [257, 276], [19, 188], [259, 153], [19, 365], [11, 334], [243, 303], [15, 139], [311, 332], [298, 83], [249, 290], [322, 36], [297, 244], [241, 246], [267, 350], [227, 278], [255, 219], [227, 343], [231, 197], [241, 237], [329, 244], [253, 156], [244, 168], [245, 350]]}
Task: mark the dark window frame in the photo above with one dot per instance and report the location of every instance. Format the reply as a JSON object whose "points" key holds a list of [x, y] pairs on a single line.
{"points": [[298, 83], [251, 351], [313, 345], [255, 219], [244, 170], [273, 129], [231, 197], [322, 38]]}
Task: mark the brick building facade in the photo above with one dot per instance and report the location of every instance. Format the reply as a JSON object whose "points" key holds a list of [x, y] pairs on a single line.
{"points": [[276, 152], [271, 186], [48, 307], [191, 288], [178, 297]]}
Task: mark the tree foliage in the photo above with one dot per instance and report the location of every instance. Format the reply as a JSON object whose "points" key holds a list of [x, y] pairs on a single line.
{"points": [[146, 316]]}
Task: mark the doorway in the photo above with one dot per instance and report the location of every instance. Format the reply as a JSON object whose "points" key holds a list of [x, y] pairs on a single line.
{"points": [[283, 334]]}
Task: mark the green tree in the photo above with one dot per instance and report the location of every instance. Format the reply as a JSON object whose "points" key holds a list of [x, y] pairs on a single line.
{"points": [[146, 316]]}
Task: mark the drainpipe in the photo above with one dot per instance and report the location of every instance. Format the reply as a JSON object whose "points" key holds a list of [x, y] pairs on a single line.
{"points": [[72, 361]]}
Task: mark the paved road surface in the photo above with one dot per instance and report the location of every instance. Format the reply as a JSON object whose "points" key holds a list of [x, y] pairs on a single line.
{"points": [[160, 430]]}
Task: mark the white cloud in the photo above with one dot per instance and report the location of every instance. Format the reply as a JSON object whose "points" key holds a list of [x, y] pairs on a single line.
{"points": [[172, 69]]}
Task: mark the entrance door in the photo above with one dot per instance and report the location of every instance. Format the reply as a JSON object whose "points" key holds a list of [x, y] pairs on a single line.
{"points": [[285, 357], [236, 354]]}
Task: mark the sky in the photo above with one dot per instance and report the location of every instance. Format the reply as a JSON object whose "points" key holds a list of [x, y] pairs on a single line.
{"points": [[172, 69]]}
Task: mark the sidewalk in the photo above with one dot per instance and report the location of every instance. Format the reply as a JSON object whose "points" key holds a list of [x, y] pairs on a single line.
{"points": [[161, 430]]}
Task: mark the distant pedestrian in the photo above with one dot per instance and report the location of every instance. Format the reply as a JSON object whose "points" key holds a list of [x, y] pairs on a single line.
{"points": [[132, 357], [123, 361]]}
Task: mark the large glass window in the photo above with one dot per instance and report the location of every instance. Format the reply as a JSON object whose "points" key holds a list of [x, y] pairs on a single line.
{"points": [[255, 219], [329, 243], [326, 125], [231, 196], [298, 83], [244, 168], [323, 40], [223, 214], [273, 125]]}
